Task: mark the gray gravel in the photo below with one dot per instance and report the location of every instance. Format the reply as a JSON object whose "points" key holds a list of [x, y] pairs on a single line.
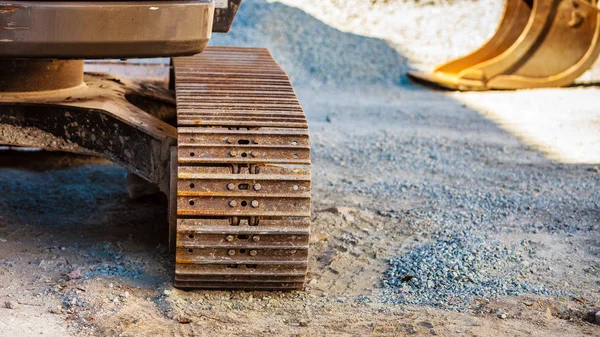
{"points": [[111, 261], [454, 270], [474, 184]]}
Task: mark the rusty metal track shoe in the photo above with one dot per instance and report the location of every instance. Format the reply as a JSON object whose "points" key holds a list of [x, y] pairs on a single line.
{"points": [[243, 182]]}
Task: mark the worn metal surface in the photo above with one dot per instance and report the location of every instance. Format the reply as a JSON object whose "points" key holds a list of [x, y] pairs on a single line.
{"points": [[104, 29], [225, 12], [241, 221], [95, 119], [39, 75], [539, 43]]}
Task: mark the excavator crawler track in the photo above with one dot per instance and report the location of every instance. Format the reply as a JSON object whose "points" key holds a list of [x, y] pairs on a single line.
{"points": [[243, 173]]}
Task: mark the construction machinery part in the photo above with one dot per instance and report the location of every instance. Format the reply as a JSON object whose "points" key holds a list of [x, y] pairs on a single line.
{"points": [[225, 12], [539, 43], [234, 159], [243, 187], [99, 118], [104, 29], [21, 75]]}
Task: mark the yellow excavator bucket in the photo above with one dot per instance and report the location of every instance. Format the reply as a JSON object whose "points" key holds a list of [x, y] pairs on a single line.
{"points": [[538, 44]]}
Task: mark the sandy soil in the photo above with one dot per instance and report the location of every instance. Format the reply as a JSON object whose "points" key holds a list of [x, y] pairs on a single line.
{"points": [[396, 165]]}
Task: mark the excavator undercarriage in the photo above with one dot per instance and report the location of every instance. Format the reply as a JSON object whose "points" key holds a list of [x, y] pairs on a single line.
{"points": [[539, 43], [234, 158]]}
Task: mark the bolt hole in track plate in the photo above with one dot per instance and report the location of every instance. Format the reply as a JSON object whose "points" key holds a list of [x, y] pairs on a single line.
{"points": [[249, 175]]}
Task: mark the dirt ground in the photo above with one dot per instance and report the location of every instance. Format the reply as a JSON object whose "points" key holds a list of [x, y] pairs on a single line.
{"points": [[396, 166]]}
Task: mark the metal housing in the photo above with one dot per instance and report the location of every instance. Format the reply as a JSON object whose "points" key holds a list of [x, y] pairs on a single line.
{"points": [[104, 29]]}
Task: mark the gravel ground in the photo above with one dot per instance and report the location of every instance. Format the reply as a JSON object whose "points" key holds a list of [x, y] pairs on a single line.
{"points": [[474, 185], [472, 189], [428, 217], [470, 197], [451, 272]]}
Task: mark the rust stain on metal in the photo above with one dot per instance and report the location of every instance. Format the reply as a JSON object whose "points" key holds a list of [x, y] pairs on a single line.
{"points": [[10, 8]]}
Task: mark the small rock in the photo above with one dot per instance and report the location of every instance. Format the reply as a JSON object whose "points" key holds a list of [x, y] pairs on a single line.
{"points": [[598, 317], [57, 310], [75, 274], [167, 292], [344, 211], [502, 316], [124, 294], [595, 169], [321, 236], [304, 324], [3, 240], [11, 304]]}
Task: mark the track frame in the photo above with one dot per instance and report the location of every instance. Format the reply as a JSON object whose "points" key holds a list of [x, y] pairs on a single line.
{"points": [[98, 118]]}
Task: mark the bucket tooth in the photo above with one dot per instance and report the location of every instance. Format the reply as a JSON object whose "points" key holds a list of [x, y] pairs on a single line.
{"points": [[539, 43]]}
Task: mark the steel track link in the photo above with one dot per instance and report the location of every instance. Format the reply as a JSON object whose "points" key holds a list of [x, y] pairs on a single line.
{"points": [[243, 175]]}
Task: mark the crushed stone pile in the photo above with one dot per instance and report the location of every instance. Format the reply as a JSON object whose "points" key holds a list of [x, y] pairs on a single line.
{"points": [[454, 270]]}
